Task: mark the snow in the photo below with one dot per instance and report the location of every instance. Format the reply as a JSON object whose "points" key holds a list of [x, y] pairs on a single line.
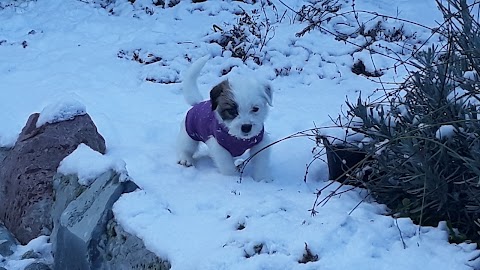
{"points": [[61, 110], [38, 247], [89, 164], [78, 55], [445, 132]]}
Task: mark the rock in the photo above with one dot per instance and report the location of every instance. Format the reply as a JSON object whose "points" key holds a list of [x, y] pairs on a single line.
{"points": [[124, 251], [31, 255], [7, 242], [26, 173], [66, 189], [37, 266], [84, 220]]}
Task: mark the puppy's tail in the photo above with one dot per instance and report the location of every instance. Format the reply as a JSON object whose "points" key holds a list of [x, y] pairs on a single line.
{"points": [[189, 86]]}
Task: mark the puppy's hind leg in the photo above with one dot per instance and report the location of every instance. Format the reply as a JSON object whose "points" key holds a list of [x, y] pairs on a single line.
{"points": [[186, 147], [221, 157]]}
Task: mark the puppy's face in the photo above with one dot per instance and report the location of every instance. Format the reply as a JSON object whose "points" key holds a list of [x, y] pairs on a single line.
{"points": [[241, 104]]}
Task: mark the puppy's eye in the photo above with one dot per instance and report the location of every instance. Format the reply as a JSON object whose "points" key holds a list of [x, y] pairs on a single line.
{"points": [[255, 109], [232, 111]]}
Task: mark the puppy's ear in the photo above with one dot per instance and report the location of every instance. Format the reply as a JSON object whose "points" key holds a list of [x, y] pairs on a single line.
{"points": [[216, 92], [268, 93]]}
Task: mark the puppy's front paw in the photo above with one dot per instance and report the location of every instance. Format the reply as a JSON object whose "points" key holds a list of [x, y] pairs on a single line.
{"points": [[185, 162]]}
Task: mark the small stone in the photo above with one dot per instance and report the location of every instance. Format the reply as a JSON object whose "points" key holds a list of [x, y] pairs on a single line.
{"points": [[37, 266], [7, 242], [31, 255]]}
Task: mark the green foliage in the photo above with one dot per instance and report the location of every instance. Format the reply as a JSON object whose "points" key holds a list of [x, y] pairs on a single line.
{"points": [[425, 137]]}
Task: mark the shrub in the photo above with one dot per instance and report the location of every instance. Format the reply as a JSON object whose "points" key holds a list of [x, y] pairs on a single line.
{"points": [[345, 22], [15, 3], [247, 38], [370, 31], [424, 137], [139, 6]]}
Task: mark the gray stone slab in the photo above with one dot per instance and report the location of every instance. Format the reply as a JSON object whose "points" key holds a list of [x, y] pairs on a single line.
{"points": [[84, 220]]}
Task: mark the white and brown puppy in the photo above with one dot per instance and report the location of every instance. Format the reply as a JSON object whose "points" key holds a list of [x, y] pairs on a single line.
{"points": [[229, 123]]}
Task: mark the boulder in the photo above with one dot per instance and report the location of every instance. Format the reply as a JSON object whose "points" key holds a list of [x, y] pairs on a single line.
{"points": [[80, 237], [26, 172], [3, 152]]}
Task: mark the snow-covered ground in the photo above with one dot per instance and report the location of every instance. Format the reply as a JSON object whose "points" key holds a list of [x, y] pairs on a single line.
{"points": [[195, 217]]}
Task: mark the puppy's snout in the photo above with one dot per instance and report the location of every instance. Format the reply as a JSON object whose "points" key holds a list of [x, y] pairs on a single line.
{"points": [[246, 128]]}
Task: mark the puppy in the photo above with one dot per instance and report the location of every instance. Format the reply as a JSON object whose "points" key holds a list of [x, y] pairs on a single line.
{"points": [[229, 123]]}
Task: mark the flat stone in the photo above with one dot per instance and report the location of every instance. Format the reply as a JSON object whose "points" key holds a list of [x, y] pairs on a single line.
{"points": [[66, 189]]}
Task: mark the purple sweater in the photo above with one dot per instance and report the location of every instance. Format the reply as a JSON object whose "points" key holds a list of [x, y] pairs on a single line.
{"points": [[201, 124]]}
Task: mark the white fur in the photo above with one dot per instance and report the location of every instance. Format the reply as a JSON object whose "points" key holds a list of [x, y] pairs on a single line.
{"points": [[248, 93], [186, 147], [189, 86]]}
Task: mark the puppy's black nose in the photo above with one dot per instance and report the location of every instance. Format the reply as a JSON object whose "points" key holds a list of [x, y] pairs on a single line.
{"points": [[246, 128]]}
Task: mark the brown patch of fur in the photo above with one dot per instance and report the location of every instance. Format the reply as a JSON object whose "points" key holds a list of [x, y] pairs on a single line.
{"points": [[222, 100]]}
